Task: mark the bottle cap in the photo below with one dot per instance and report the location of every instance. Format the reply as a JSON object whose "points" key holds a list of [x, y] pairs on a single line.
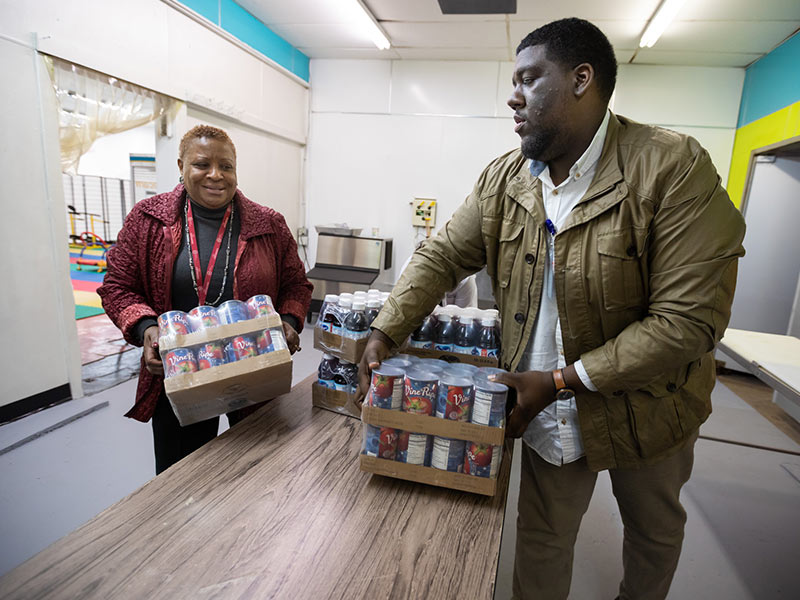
{"points": [[373, 291], [373, 303], [327, 356], [331, 298], [358, 305], [346, 295], [359, 294], [345, 302]]}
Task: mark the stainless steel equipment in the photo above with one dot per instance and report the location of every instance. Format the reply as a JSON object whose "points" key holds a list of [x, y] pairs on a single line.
{"points": [[348, 263]]}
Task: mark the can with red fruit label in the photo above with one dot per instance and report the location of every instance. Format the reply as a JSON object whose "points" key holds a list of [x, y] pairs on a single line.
{"points": [[203, 317], [210, 355], [240, 347], [380, 442], [386, 388], [173, 322], [454, 397], [260, 306], [482, 460], [178, 362], [419, 391]]}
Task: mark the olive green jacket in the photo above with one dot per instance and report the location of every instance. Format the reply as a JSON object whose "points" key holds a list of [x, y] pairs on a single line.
{"points": [[645, 273]]}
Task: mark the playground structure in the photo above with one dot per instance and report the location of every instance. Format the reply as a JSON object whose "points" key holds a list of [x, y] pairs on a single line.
{"points": [[91, 241]]}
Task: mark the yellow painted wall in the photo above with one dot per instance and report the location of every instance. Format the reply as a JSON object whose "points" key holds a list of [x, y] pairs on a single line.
{"points": [[781, 125]]}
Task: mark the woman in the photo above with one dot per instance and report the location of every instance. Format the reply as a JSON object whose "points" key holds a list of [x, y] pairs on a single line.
{"points": [[153, 269]]}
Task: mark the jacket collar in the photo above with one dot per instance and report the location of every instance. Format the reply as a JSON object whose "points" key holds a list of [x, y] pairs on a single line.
{"points": [[169, 206], [526, 189]]}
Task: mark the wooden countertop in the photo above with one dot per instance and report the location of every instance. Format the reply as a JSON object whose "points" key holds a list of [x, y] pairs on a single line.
{"points": [[277, 507]]}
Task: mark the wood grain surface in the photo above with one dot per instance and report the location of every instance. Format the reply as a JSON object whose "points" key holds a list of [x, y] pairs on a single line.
{"points": [[276, 507]]}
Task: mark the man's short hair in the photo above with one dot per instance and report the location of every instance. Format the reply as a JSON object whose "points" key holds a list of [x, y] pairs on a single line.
{"points": [[571, 42], [204, 131]]}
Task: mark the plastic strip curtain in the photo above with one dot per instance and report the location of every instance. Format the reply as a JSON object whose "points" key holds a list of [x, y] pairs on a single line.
{"points": [[92, 104]]}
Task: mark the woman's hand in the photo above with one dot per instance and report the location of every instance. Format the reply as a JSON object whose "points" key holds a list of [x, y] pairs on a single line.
{"points": [[535, 391], [292, 339], [152, 360]]}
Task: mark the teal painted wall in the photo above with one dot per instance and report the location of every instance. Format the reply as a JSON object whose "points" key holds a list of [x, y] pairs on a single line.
{"points": [[772, 82], [241, 24]]}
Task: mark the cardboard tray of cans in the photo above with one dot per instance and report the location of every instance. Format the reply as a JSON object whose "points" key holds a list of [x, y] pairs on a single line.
{"points": [[334, 400], [211, 392], [440, 427], [452, 357], [341, 347]]}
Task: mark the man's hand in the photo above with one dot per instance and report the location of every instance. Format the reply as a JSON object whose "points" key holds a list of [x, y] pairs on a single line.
{"points": [[152, 361], [378, 347], [292, 339], [535, 391]]}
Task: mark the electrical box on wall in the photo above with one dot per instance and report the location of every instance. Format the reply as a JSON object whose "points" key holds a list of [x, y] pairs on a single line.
{"points": [[423, 212]]}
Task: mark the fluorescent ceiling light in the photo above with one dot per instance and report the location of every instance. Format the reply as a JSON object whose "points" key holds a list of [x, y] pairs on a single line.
{"points": [[660, 21], [362, 19]]}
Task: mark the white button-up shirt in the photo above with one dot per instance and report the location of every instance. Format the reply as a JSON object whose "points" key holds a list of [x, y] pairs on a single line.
{"points": [[555, 432]]}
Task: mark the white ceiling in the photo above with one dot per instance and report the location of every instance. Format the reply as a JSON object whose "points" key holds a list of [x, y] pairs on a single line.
{"points": [[719, 33]]}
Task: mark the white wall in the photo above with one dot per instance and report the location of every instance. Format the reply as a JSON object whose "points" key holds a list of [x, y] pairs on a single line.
{"points": [[153, 45], [383, 132], [109, 155]]}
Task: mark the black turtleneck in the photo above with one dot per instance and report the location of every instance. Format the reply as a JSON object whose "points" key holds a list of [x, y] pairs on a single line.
{"points": [[206, 225]]}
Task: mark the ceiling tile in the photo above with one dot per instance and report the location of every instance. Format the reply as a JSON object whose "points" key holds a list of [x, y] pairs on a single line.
{"points": [[741, 10], [491, 54], [447, 35], [323, 36], [621, 34], [307, 12], [357, 53], [725, 36], [592, 10], [651, 56], [420, 11]]}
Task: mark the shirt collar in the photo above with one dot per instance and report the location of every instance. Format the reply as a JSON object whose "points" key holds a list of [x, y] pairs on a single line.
{"points": [[587, 160]]}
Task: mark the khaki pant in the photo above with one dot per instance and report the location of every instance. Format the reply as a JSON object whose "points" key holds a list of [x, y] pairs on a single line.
{"points": [[553, 500]]}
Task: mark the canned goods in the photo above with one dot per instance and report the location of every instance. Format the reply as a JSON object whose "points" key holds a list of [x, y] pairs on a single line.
{"points": [[419, 391], [380, 442], [173, 322], [489, 403], [398, 361], [432, 364], [232, 311], [260, 306], [179, 361], [239, 348], [264, 342], [414, 448], [278, 341], [386, 388], [210, 355], [470, 370], [448, 454], [454, 397], [482, 460], [203, 317]]}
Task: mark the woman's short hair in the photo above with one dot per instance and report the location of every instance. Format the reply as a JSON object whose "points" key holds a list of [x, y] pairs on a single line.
{"points": [[204, 131]]}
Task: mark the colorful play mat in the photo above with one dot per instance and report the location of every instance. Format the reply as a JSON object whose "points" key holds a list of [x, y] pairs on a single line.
{"points": [[86, 270]]}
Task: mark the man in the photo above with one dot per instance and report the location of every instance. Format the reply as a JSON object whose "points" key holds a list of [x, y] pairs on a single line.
{"points": [[612, 250]]}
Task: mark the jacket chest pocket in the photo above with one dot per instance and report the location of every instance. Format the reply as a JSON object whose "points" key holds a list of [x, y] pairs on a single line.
{"points": [[620, 254], [503, 243]]}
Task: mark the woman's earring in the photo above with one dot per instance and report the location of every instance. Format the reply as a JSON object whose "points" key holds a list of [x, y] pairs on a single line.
{"points": [[180, 179]]}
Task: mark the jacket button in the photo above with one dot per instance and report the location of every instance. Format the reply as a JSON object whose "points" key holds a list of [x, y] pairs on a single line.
{"points": [[519, 318], [671, 387], [631, 251], [618, 393], [507, 366], [529, 258]]}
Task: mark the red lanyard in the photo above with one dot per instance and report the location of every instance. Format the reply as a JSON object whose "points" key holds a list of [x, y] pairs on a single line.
{"points": [[204, 282]]}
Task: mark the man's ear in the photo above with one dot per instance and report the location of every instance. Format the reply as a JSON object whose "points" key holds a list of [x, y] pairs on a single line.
{"points": [[583, 76]]}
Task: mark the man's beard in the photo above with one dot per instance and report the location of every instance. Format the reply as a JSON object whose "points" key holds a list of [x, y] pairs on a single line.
{"points": [[536, 145]]}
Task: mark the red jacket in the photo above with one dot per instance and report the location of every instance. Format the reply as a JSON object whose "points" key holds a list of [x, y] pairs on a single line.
{"points": [[139, 278]]}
